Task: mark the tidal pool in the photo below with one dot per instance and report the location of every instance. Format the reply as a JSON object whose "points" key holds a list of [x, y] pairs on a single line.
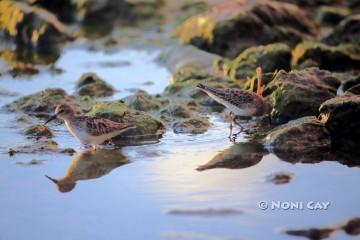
{"points": [[133, 192]]}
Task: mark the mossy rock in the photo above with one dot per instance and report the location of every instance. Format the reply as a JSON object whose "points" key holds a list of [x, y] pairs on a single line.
{"points": [[46, 100], [332, 15], [341, 116], [184, 85], [38, 131], [301, 135], [90, 84], [347, 31], [269, 57], [300, 93], [176, 111], [197, 125], [30, 25], [351, 83], [142, 101], [118, 111], [43, 146], [335, 58], [229, 28]]}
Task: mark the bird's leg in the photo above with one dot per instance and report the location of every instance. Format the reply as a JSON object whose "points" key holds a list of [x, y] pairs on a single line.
{"points": [[231, 124], [234, 136]]}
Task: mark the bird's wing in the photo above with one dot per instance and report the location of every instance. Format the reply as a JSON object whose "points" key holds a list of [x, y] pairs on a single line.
{"points": [[100, 126], [236, 97]]}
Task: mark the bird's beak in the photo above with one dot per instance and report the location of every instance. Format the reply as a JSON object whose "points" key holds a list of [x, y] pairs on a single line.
{"points": [[50, 119], [52, 179]]}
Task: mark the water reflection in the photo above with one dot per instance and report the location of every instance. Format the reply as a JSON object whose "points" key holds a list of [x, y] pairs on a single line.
{"points": [[89, 165], [240, 155], [344, 153]]}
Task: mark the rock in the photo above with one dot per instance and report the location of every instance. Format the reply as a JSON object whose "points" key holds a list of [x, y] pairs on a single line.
{"points": [[32, 162], [184, 83], [341, 116], [25, 118], [32, 25], [347, 31], [176, 111], [46, 100], [312, 233], [302, 135], [119, 112], [352, 227], [68, 151], [229, 28], [90, 84], [142, 101], [354, 90], [196, 125], [310, 3], [41, 146], [270, 57], [176, 57], [335, 58], [351, 83], [238, 156], [300, 92], [11, 152], [39, 131], [208, 212], [332, 15], [281, 177], [43, 101]]}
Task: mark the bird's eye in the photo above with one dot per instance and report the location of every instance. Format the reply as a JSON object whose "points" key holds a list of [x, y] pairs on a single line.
{"points": [[61, 111]]}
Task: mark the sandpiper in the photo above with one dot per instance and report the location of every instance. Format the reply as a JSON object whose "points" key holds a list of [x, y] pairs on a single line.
{"points": [[89, 130], [240, 102]]}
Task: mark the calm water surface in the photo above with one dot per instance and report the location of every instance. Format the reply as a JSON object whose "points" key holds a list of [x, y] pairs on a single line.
{"points": [[129, 193]]}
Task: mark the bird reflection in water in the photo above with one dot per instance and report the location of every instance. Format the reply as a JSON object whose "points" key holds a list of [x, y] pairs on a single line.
{"points": [[89, 165], [240, 155]]}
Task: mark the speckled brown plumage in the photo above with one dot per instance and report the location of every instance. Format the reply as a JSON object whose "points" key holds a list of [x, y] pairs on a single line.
{"points": [[98, 126], [240, 98]]}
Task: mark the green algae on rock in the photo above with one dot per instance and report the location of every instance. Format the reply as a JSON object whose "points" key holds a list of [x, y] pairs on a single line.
{"points": [[301, 135], [341, 116], [300, 93], [39, 131], [142, 101], [176, 111], [184, 83], [335, 58], [46, 100], [90, 84], [270, 57], [118, 111], [196, 125], [229, 28]]}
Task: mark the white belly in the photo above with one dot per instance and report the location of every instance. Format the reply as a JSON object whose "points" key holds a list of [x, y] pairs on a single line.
{"points": [[83, 137], [86, 138], [245, 112]]}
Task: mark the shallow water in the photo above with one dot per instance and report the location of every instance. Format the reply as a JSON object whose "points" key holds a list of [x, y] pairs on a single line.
{"points": [[130, 193]]}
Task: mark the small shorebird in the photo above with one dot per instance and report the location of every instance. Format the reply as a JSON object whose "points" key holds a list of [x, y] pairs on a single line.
{"points": [[89, 130], [240, 102]]}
